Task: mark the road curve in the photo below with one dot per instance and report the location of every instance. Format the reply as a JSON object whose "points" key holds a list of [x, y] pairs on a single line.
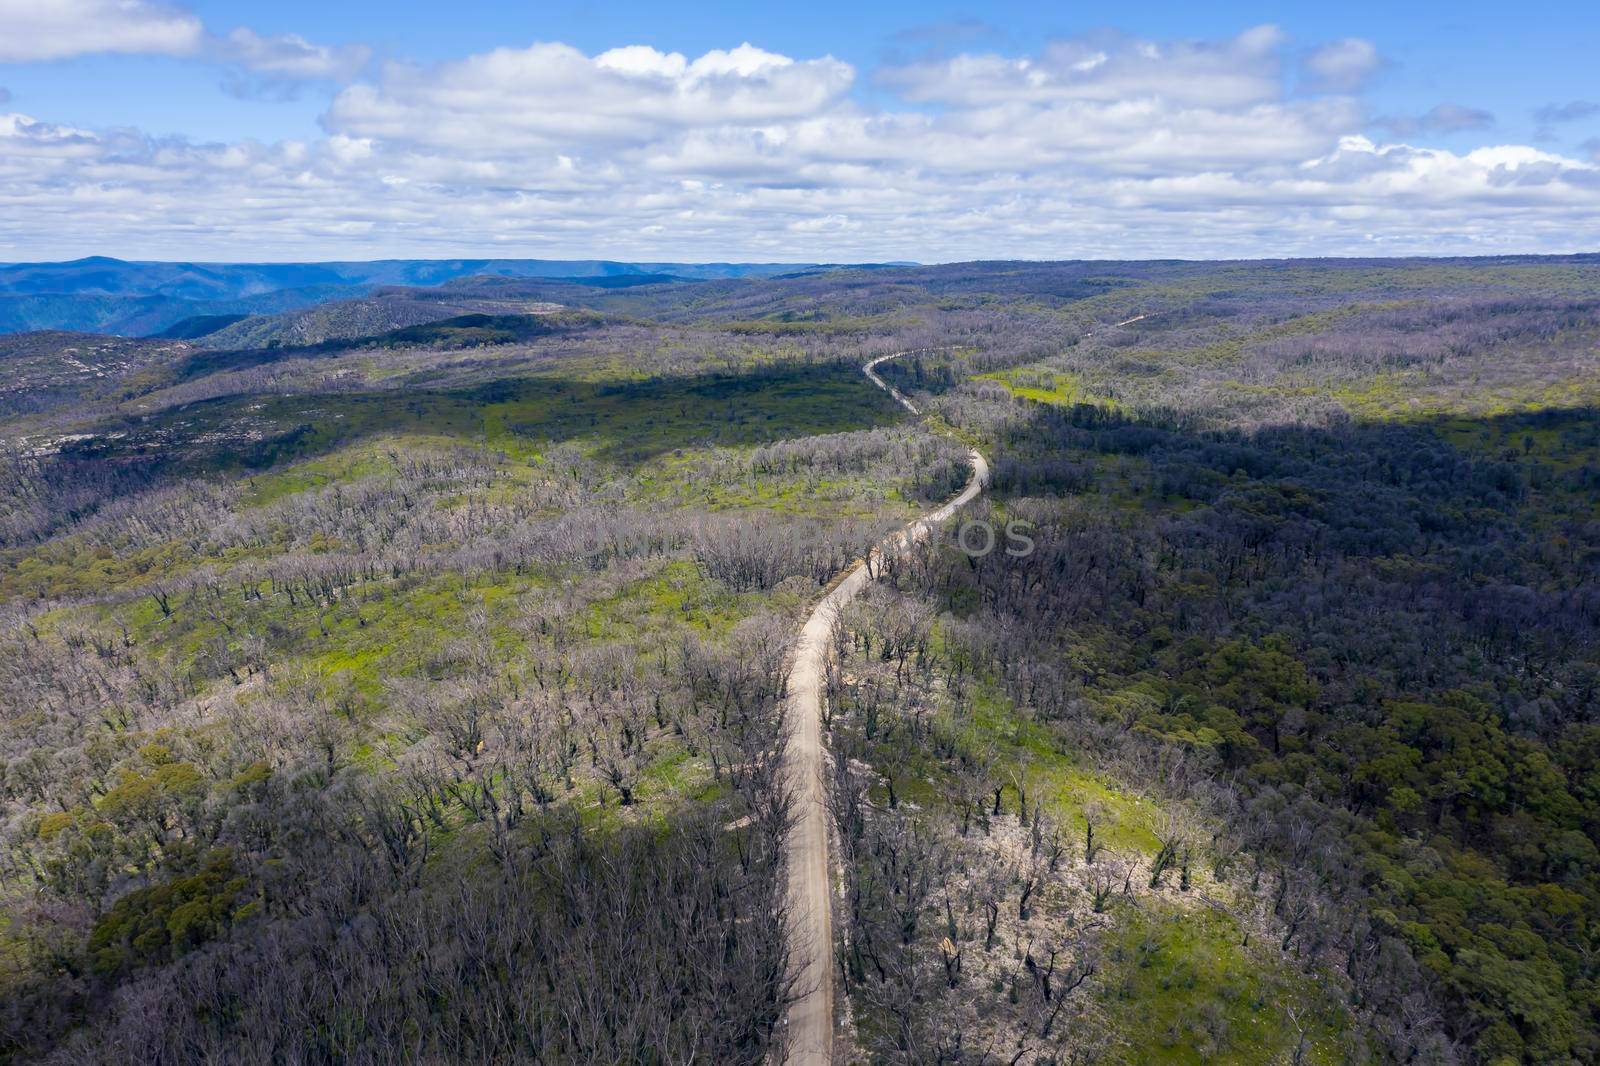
{"points": [[810, 1020], [809, 1036]]}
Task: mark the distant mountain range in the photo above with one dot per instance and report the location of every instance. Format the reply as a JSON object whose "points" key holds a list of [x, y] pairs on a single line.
{"points": [[104, 295]]}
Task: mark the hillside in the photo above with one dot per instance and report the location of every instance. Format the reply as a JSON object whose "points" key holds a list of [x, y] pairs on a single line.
{"points": [[383, 312], [55, 370]]}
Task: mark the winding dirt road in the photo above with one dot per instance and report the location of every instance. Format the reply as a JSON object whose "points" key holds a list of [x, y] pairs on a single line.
{"points": [[810, 1019]]}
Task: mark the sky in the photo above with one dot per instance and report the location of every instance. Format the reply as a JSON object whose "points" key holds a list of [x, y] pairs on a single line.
{"points": [[807, 132]]}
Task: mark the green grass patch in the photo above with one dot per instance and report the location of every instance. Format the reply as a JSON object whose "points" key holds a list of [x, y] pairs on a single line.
{"points": [[1181, 988], [1045, 384], [1052, 777]]}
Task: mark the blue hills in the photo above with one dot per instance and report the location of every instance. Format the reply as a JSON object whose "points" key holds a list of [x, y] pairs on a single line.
{"points": [[104, 295]]}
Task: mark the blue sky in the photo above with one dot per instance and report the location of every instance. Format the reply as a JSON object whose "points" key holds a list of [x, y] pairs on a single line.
{"points": [[232, 130]]}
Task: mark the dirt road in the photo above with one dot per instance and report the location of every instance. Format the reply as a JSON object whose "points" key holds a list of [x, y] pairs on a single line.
{"points": [[810, 1020]]}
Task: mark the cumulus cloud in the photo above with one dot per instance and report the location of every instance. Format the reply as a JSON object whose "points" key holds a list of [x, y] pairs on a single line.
{"points": [[1342, 66], [513, 99], [1111, 101], [33, 30], [1107, 100], [1144, 137], [1443, 118], [1104, 145]]}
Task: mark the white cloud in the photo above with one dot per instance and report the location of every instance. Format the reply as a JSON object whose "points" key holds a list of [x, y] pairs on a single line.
{"points": [[37, 30], [640, 60], [1105, 146], [57, 29], [1105, 68], [1342, 66], [513, 99], [23, 135], [1113, 102]]}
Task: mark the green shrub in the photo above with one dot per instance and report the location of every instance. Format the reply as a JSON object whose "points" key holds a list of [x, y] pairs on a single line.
{"points": [[160, 922]]}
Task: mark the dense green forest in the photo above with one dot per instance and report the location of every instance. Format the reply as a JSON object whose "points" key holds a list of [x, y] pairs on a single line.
{"points": [[418, 696], [1368, 644]]}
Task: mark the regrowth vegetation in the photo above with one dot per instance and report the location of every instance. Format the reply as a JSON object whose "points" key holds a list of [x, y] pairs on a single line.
{"points": [[415, 693]]}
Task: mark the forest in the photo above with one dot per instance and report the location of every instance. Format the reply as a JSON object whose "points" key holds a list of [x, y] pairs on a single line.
{"points": [[419, 695]]}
